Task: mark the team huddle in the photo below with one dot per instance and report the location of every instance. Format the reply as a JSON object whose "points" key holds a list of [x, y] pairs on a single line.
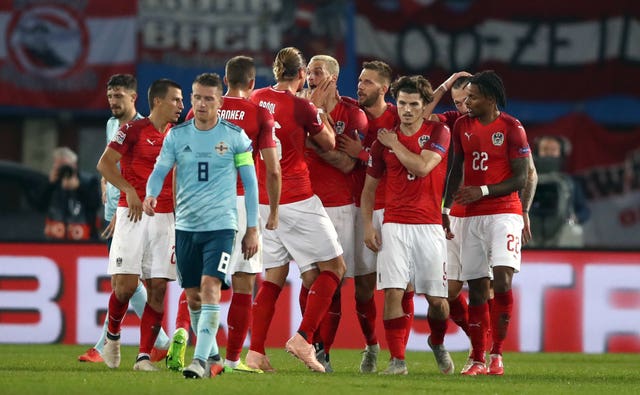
{"points": [[391, 195]]}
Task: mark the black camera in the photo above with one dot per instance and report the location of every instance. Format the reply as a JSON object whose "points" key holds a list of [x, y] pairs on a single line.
{"points": [[66, 171]]}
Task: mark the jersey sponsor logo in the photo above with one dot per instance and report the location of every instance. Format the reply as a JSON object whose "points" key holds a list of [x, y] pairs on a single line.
{"points": [[468, 134], [422, 140], [152, 142], [221, 148], [497, 138], [186, 149], [119, 137], [339, 127]]}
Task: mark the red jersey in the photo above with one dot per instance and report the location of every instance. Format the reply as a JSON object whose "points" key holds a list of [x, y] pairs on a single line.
{"points": [[256, 122], [488, 150], [294, 119], [388, 120], [139, 143], [411, 199], [333, 187]]}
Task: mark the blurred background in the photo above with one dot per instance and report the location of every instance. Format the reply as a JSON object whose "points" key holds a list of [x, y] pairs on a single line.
{"points": [[570, 70]]}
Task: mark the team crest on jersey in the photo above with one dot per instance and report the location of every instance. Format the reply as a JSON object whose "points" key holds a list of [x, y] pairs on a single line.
{"points": [[422, 140], [221, 148], [339, 127], [497, 138]]}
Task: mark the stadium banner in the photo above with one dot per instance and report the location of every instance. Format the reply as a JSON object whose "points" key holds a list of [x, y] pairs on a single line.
{"points": [[607, 164], [59, 54], [554, 57], [565, 301], [181, 39]]}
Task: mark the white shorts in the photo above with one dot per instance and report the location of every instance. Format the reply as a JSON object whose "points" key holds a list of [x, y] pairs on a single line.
{"points": [[489, 241], [454, 266], [364, 259], [343, 219], [145, 248], [238, 264], [413, 254], [305, 234]]}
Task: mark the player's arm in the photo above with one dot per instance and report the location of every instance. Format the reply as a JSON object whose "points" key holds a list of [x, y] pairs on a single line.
{"points": [[371, 238], [419, 165], [108, 168], [517, 181], [440, 92], [325, 140], [338, 159], [274, 184], [526, 198], [247, 170]]}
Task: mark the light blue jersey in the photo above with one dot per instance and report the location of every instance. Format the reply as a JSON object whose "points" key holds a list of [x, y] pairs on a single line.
{"points": [[113, 193], [207, 164]]}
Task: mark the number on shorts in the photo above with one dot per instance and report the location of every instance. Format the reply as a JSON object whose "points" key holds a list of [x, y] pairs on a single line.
{"points": [[513, 243], [223, 265], [203, 171]]}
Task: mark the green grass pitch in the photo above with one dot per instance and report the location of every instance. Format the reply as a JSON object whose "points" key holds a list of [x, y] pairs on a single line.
{"points": [[54, 369]]}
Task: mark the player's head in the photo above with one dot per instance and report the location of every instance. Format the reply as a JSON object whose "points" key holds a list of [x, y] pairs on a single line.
{"points": [[122, 95], [290, 66], [165, 98], [240, 73], [459, 94], [206, 97], [485, 92], [320, 68], [412, 94], [373, 82]]}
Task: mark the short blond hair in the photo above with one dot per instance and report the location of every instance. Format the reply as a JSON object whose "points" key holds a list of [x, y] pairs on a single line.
{"points": [[332, 65]]}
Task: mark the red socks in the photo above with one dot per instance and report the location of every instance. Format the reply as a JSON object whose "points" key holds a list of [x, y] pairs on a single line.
{"points": [[238, 320], [438, 329], [331, 321], [262, 311], [500, 316], [367, 318], [407, 307], [318, 302], [394, 331], [478, 324], [459, 313], [150, 324], [116, 313]]}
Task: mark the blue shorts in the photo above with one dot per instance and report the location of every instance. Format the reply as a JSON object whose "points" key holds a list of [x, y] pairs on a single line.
{"points": [[203, 253]]}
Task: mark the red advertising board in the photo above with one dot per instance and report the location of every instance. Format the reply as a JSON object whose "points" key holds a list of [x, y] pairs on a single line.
{"points": [[569, 301]]}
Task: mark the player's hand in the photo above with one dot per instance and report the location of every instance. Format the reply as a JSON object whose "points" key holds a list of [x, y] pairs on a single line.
{"points": [[272, 221], [387, 137], [135, 207], [349, 146], [108, 231], [325, 90], [446, 225], [372, 239], [526, 231], [468, 194], [250, 242], [449, 82], [149, 205]]}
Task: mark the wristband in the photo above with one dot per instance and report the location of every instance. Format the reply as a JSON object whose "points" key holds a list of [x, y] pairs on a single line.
{"points": [[444, 86], [446, 210], [485, 190], [320, 110]]}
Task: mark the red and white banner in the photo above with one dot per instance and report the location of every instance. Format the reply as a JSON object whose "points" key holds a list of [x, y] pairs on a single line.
{"points": [[564, 301], [60, 54], [544, 50], [608, 165]]}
